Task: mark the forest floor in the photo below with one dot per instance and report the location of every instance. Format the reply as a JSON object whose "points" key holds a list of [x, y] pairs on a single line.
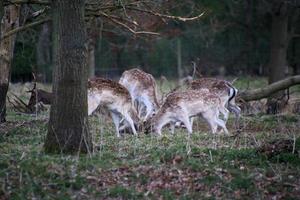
{"points": [[260, 162]]}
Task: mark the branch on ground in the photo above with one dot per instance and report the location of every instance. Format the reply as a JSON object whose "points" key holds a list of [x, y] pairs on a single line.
{"points": [[256, 94]]}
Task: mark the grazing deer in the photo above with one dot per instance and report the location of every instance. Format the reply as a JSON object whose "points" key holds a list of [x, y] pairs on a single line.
{"points": [[114, 97], [181, 106], [224, 89], [143, 91]]}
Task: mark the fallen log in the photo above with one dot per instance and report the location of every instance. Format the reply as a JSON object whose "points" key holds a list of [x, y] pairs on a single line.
{"points": [[260, 93], [37, 96]]}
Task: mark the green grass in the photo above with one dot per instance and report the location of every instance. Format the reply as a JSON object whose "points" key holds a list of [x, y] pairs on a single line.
{"points": [[149, 167]]}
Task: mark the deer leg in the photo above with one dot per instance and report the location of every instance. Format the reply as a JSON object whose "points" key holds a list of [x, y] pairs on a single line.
{"points": [[123, 125], [209, 116], [237, 111], [130, 121], [116, 119], [224, 112], [161, 123], [192, 121], [149, 108], [221, 123], [186, 121], [172, 126], [140, 108]]}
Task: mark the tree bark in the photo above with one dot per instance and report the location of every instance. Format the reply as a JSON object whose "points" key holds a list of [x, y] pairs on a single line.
{"points": [[68, 125], [91, 59], [279, 44], [251, 95], [43, 53], [93, 33], [9, 21], [1, 16]]}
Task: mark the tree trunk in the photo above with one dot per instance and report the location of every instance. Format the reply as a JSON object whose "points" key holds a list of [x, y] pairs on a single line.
{"points": [[91, 59], [1, 16], [68, 125], [43, 54], [179, 59], [9, 21], [93, 34], [295, 55], [278, 64]]}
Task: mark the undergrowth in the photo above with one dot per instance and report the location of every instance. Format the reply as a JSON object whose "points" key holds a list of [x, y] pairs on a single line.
{"points": [[222, 167], [148, 167]]}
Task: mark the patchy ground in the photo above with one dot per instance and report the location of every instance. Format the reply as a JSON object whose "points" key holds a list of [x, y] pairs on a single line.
{"points": [[254, 164], [150, 167]]}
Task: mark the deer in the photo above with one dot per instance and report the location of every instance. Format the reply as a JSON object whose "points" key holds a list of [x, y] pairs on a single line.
{"points": [[116, 99], [143, 90], [224, 89], [181, 106]]}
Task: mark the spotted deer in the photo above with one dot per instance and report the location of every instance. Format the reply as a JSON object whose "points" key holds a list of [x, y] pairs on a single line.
{"points": [[180, 106], [224, 89], [114, 97], [143, 90]]}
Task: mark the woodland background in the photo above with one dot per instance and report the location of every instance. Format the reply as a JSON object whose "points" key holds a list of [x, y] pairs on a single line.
{"points": [[232, 38], [55, 46]]}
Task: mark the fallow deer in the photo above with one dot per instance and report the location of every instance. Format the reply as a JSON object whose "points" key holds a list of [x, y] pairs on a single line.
{"points": [[143, 90], [114, 97], [180, 106], [224, 89]]}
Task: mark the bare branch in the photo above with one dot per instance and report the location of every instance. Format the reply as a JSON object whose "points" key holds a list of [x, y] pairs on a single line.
{"points": [[126, 26], [16, 30], [97, 12], [41, 2], [184, 19]]}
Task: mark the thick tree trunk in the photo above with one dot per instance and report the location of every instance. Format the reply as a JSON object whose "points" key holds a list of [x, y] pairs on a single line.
{"points": [[9, 21], [279, 43], [68, 125]]}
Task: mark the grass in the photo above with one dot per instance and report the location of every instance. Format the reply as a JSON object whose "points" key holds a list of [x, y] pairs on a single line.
{"points": [[148, 167]]}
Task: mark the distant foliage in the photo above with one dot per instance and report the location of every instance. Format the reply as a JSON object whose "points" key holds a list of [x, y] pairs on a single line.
{"points": [[232, 38]]}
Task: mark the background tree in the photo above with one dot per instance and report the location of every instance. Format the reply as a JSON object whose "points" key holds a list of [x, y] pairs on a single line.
{"points": [[232, 38], [68, 125], [43, 54], [9, 20], [283, 14]]}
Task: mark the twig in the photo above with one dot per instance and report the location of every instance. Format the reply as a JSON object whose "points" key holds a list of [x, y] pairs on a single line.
{"points": [[294, 143], [210, 155], [183, 19], [126, 26]]}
